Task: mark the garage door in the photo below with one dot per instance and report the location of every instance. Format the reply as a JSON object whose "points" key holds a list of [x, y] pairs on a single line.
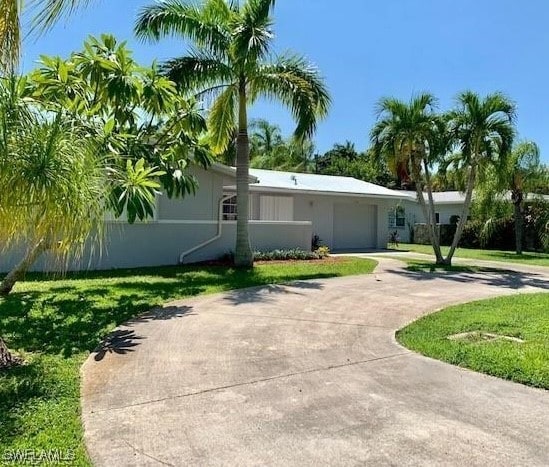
{"points": [[355, 226]]}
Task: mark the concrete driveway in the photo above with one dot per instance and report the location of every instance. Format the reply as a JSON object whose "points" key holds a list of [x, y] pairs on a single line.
{"points": [[308, 374]]}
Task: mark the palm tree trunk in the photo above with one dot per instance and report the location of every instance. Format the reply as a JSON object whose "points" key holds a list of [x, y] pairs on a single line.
{"points": [[432, 216], [18, 272], [464, 214], [519, 223], [243, 257]]}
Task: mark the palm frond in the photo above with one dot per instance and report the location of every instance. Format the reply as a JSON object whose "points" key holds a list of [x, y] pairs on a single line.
{"points": [[253, 33], [47, 12], [198, 71], [299, 86], [205, 25], [222, 119]]}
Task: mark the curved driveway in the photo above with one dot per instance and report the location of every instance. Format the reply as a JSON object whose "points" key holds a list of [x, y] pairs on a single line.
{"points": [[308, 374]]}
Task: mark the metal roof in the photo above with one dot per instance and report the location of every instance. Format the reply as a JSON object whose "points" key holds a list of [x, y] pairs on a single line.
{"points": [[327, 184], [287, 182], [457, 197]]}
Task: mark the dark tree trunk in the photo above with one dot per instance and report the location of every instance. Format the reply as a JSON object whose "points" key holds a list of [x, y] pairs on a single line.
{"points": [[519, 222]]}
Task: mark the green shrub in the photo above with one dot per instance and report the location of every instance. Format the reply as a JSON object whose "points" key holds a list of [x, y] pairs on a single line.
{"points": [[285, 255]]}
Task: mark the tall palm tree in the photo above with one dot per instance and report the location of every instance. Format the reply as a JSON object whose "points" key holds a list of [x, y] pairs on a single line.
{"points": [[484, 130], [45, 13], [232, 45], [408, 135]]}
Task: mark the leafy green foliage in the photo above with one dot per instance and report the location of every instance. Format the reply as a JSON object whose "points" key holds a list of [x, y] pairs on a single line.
{"points": [[147, 133], [285, 255], [344, 160], [56, 323], [269, 150], [523, 316]]}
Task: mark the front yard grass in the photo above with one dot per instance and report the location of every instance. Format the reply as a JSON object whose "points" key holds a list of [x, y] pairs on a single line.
{"points": [[521, 316], [56, 323], [532, 259]]}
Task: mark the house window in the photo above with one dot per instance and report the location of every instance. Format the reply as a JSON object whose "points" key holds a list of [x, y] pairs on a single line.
{"points": [[276, 208], [437, 217], [397, 218], [229, 209]]}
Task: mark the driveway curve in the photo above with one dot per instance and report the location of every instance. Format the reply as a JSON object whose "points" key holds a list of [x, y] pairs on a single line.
{"points": [[308, 374]]}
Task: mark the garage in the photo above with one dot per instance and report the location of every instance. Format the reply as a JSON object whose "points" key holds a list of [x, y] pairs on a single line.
{"points": [[355, 226]]}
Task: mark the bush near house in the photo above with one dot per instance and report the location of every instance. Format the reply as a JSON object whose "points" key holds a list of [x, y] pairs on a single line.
{"points": [[294, 254]]}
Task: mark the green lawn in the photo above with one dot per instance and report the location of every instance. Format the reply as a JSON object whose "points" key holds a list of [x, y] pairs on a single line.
{"points": [[533, 259], [56, 323], [522, 316]]}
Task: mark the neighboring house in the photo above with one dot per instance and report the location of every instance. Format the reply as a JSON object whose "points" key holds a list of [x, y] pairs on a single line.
{"points": [[448, 204], [287, 209]]}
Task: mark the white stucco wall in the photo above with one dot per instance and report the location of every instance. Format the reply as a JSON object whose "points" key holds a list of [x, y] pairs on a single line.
{"points": [[414, 215], [161, 244]]}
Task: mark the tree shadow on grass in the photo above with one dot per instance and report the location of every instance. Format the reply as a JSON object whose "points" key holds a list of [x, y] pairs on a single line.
{"points": [[74, 315]]}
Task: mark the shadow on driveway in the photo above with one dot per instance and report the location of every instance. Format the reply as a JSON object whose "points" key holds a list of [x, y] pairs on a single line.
{"points": [[123, 341], [269, 293], [491, 277]]}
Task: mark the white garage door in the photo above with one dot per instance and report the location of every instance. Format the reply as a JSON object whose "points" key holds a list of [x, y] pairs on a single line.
{"points": [[355, 226]]}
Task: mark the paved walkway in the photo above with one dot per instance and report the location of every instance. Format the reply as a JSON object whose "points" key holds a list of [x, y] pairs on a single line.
{"points": [[308, 374]]}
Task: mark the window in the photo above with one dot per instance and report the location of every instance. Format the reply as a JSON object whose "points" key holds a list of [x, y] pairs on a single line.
{"points": [[397, 218], [229, 209], [276, 208], [437, 217]]}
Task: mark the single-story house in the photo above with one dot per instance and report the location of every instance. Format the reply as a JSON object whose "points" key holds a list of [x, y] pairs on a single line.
{"points": [[286, 211]]}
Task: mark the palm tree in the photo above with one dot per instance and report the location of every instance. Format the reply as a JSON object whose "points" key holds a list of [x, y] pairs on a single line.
{"points": [[484, 130], [409, 136], [519, 174], [45, 12], [232, 44], [265, 137]]}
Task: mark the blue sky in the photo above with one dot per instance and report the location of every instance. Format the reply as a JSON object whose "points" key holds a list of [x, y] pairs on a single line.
{"points": [[367, 49]]}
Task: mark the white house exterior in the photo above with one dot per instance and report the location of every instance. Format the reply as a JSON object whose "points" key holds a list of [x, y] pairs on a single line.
{"points": [[287, 209], [447, 205]]}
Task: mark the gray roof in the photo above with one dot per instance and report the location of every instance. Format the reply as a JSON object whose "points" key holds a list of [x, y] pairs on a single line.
{"points": [[273, 180]]}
